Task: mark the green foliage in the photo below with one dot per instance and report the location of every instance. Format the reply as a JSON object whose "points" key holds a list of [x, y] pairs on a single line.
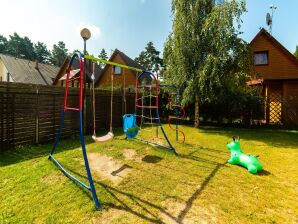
{"points": [[77, 51], [20, 47], [204, 55], [59, 53], [241, 104], [149, 58], [3, 44], [295, 53], [41, 52], [103, 55]]}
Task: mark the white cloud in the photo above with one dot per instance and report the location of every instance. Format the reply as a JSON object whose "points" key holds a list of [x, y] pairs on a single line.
{"points": [[95, 30]]}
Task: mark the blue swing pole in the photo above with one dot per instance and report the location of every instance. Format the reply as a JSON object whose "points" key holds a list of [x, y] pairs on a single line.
{"points": [[91, 186]]}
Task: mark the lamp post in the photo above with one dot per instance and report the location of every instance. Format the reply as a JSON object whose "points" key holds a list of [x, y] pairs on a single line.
{"points": [[85, 34]]}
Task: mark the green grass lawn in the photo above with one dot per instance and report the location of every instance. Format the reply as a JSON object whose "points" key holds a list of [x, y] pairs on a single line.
{"points": [[196, 187]]}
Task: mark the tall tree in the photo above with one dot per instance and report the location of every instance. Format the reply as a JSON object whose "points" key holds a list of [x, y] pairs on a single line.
{"points": [[41, 52], [28, 49], [103, 55], [295, 53], [203, 54], [3, 44], [20, 47], [149, 57], [59, 53]]}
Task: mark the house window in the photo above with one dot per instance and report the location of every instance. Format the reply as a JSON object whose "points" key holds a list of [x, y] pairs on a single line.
{"points": [[261, 58], [117, 70]]}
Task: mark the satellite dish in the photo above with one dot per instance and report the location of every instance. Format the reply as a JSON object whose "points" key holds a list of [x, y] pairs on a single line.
{"points": [[268, 19]]}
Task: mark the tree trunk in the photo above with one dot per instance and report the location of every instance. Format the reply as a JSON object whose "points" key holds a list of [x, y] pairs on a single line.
{"points": [[197, 113]]}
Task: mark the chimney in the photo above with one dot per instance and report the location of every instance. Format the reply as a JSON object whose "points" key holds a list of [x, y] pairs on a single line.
{"points": [[36, 64]]}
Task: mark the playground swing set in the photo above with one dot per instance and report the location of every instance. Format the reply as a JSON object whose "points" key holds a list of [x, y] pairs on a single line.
{"points": [[146, 109]]}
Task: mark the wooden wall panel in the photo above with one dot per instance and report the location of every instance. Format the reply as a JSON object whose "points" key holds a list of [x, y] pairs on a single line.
{"points": [[280, 66], [30, 114]]}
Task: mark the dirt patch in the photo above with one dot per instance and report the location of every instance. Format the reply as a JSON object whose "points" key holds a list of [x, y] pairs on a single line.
{"points": [[129, 154], [181, 212], [53, 179], [108, 216], [107, 167]]}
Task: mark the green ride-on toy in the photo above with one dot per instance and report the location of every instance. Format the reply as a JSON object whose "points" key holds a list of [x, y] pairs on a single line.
{"points": [[250, 162]]}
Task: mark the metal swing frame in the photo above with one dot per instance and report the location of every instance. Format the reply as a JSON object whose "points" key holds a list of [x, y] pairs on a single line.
{"points": [[141, 73], [156, 107], [178, 110], [78, 109]]}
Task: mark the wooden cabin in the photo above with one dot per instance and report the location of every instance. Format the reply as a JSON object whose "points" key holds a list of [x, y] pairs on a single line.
{"points": [[123, 78], [276, 69], [60, 79]]}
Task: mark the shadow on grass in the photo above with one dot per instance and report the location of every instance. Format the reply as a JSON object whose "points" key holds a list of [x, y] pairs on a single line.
{"points": [[198, 159], [146, 209], [123, 167], [24, 153], [271, 137], [196, 194], [263, 173], [151, 159]]}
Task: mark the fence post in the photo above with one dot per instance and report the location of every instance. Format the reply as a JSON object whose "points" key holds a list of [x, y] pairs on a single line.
{"points": [[54, 115], [13, 119], [8, 122], [37, 116], [267, 108]]}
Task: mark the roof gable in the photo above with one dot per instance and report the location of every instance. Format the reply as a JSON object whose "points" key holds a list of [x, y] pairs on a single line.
{"points": [[127, 60], [276, 43], [281, 65], [76, 66]]}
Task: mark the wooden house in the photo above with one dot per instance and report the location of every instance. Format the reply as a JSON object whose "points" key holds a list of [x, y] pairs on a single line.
{"points": [[60, 78], [276, 69], [123, 78]]}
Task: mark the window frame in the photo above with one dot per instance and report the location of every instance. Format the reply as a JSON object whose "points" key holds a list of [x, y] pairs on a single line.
{"points": [[261, 52], [114, 70]]}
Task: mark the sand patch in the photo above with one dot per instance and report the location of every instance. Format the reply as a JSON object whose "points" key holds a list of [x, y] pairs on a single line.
{"points": [[107, 167], [129, 154], [108, 216], [182, 212], [53, 179]]}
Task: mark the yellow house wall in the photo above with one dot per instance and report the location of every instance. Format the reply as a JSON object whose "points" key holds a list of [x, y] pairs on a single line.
{"points": [[3, 73]]}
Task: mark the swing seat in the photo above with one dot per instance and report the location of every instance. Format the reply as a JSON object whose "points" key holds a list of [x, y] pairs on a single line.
{"points": [[104, 138], [129, 126]]}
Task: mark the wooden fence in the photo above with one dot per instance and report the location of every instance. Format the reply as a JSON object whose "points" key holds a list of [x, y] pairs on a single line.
{"points": [[30, 114]]}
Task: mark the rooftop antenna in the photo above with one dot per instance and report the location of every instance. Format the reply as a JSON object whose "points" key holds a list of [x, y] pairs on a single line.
{"points": [[269, 18]]}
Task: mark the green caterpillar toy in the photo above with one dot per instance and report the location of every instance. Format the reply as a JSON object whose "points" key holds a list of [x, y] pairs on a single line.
{"points": [[250, 162]]}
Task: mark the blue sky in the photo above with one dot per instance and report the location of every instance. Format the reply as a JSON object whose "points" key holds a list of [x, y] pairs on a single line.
{"points": [[126, 24]]}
